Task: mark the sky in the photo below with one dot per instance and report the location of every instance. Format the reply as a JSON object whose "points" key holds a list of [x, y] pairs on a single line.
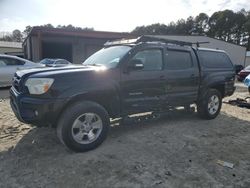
{"points": [[106, 15]]}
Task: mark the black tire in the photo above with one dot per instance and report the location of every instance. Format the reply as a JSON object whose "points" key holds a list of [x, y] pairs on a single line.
{"points": [[67, 119], [203, 105]]}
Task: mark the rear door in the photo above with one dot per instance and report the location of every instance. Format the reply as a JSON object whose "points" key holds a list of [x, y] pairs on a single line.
{"points": [[182, 75], [143, 90]]}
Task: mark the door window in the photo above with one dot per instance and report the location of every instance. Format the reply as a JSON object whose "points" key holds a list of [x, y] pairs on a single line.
{"points": [[151, 59], [11, 62], [178, 60]]}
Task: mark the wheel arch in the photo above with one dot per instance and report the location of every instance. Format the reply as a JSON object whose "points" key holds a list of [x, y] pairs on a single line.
{"points": [[110, 104], [218, 86]]}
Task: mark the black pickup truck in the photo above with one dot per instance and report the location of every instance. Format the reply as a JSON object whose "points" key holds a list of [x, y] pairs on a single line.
{"points": [[126, 77]]}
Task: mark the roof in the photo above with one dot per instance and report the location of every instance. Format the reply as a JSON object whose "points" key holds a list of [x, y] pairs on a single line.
{"points": [[10, 44], [211, 49], [78, 33], [248, 53], [146, 38], [195, 38], [160, 39]]}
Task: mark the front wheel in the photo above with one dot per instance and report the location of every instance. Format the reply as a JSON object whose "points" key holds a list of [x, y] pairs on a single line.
{"points": [[83, 126], [209, 107]]}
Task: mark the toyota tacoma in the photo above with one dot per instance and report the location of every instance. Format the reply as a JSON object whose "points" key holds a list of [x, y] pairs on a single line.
{"points": [[146, 74]]}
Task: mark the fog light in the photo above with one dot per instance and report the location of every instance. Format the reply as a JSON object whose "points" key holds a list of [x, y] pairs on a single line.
{"points": [[36, 113]]}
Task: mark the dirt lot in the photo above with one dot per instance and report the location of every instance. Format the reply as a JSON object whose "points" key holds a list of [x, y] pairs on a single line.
{"points": [[4, 93], [179, 150]]}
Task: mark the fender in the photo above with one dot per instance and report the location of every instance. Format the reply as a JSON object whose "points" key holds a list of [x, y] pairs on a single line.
{"points": [[106, 94], [214, 79]]}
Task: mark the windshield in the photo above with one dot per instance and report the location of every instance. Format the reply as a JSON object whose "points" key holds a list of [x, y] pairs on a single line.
{"points": [[47, 62], [109, 57]]}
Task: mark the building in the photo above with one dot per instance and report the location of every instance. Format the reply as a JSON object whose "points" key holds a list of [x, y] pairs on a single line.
{"points": [[236, 53], [73, 45], [77, 45], [247, 58], [11, 48]]}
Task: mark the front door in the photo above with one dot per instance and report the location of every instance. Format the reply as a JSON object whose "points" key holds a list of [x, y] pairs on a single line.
{"points": [[143, 90]]}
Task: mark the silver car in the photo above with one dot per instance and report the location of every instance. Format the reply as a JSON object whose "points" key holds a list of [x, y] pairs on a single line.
{"points": [[9, 65], [48, 62]]}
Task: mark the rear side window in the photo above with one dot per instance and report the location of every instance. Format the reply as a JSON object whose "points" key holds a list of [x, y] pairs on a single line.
{"points": [[11, 62], [178, 60], [214, 59]]}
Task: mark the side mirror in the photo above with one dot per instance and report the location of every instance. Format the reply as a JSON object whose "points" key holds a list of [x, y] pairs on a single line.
{"points": [[135, 64]]}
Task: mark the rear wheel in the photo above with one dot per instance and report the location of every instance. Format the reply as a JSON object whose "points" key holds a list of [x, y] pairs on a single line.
{"points": [[209, 107], [83, 126]]}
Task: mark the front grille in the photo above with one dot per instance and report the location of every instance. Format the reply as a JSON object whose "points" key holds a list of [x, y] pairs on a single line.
{"points": [[16, 83]]}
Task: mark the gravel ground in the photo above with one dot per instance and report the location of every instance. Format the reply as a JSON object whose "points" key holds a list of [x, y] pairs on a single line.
{"points": [[178, 150]]}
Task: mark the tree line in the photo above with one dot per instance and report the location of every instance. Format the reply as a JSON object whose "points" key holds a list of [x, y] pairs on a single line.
{"points": [[18, 36], [226, 25]]}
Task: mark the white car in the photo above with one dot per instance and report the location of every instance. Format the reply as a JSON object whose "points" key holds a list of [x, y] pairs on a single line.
{"points": [[9, 65]]}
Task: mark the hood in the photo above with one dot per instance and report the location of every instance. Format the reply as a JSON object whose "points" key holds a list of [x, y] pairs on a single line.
{"points": [[56, 70]]}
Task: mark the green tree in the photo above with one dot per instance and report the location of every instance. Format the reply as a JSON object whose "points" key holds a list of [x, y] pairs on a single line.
{"points": [[154, 29], [180, 27], [26, 31], [47, 25], [7, 38], [238, 27], [221, 25], [201, 24], [189, 25], [17, 35], [71, 27], [184, 27], [246, 28]]}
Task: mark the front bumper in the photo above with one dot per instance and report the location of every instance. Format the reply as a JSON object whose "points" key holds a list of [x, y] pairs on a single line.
{"points": [[35, 110]]}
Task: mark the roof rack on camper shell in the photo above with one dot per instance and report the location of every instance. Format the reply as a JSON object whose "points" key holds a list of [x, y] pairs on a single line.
{"points": [[151, 39]]}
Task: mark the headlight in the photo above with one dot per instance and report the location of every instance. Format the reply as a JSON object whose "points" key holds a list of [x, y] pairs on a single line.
{"points": [[39, 86]]}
